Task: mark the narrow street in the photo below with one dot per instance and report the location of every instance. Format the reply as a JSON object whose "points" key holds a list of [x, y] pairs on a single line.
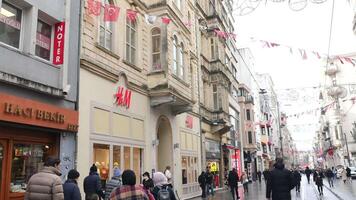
{"points": [[257, 191]]}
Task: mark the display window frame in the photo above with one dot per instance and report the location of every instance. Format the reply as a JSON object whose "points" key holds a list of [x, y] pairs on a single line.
{"points": [[122, 160], [11, 136]]}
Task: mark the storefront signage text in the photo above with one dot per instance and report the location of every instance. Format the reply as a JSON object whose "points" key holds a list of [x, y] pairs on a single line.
{"points": [[123, 97], [58, 49], [10, 21]]}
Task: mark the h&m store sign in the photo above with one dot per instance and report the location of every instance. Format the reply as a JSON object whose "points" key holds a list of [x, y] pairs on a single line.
{"points": [[25, 111]]}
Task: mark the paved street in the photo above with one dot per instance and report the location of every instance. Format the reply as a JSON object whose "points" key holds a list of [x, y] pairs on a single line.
{"points": [[345, 191], [257, 191]]}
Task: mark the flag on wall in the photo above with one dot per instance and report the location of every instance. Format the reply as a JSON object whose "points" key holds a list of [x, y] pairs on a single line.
{"points": [[131, 15], [94, 7], [150, 19], [166, 20], [111, 13]]}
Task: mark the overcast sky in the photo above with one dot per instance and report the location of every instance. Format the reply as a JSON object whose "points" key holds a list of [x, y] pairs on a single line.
{"points": [[307, 29]]}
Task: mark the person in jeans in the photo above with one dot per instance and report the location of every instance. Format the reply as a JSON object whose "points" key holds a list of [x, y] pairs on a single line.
{"points": [[330, 175], [209, 182]]}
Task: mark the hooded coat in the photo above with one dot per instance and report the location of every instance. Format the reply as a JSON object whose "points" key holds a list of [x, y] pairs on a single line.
{"points": [[280, 183], [45, 185]]}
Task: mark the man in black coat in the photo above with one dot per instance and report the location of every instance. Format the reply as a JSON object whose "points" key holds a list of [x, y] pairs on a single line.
{"points": [[297, 179], [307, 173], [330, 175], [202, 183], [233, 179], [266, 174], [280, 182]]}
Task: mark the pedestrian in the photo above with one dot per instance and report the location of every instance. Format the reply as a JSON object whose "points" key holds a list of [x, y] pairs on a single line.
{"points": [[297, 179], [129, 190], [70, 187], [259, 176], [162, 190], [307, 173], [113, 183], [315, 173], [330, 176], [334, 173], [92, 183], [209, 182], [244, 181], [344, 175], [147, 181], [348, 174], [46, 184], [168, 174], [233, 179], [280, 182], [319, 181], [266, 173], [202, 183]]}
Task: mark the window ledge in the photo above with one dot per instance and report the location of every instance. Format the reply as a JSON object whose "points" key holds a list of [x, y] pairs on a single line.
{"points": [[180, 80], [156, 72], [108, 51], [132, 65]]}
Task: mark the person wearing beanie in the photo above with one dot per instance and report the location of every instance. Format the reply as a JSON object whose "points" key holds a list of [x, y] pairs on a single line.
{"points": [[160, 182], [129, 190], [92, 184], [70, 187], [114, 182]]}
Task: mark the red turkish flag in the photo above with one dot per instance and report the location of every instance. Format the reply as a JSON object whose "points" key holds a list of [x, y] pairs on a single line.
{"points": [[94, 7], [131, 15], [166, 20], [111, 13]]}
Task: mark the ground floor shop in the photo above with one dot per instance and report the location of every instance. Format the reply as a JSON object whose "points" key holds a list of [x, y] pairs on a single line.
{"points": [[30, 132]]}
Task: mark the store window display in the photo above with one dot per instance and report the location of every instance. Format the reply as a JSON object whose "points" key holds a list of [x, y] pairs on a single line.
{"points": [[189, 169], [27, 159]]}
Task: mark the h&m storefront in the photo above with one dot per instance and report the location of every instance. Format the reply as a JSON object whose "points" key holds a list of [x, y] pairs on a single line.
{"points": [[30, 131], [113, 127]]}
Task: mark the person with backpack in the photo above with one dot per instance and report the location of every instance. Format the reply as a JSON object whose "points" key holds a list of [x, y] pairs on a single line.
{"points": [[113, 183], [70, 187], [233, 179], [202, 183], [162, 190]]}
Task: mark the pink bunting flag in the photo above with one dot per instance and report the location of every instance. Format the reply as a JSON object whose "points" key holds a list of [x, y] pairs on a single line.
{"points": [[221, 34], [266, 44], [166, 20], [188, 24], [274, 44], [111, 13], [349, 60], [303, 54], [233, 35], [131, 15], [316, 54], [94, 7], [340, 59]]}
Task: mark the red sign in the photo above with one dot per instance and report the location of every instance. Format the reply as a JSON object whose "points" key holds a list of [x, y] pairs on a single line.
{"points": [[235, 161], [189, 122], [58, 47], [123, 97], [10, 21]]}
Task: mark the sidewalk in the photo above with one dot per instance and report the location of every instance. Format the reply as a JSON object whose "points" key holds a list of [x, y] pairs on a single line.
{"points": [[341, 190]]}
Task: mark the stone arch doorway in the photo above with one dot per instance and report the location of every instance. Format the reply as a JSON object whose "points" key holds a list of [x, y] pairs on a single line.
{"points": [[165, 144]]}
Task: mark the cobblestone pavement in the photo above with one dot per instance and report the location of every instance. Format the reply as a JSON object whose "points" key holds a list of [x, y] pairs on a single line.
{"points": [[343, 191], [257, 191]]}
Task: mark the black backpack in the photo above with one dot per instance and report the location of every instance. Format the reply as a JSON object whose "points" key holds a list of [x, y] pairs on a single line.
{"points": [[163, 193]]}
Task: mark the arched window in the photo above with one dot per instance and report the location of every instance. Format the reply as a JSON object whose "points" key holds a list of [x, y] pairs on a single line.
{"points": [[181, 61], [106, 28], [131, 31], [156, 49], [175, 55]]}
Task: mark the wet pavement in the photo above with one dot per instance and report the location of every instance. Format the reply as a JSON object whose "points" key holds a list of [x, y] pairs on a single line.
{"points": [[343, 191], [257, 191]]}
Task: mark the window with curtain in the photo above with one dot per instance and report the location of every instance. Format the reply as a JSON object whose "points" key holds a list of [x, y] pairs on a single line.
{"points": [[175, 55], [106, 28], [181, 61], [156, 49], [131, 31]]}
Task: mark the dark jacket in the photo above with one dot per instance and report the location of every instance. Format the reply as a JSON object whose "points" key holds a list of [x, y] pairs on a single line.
{"points": [[113, 183], [92, 185], [329, 173], [319, 179], [202, 179], [209, 177], [148, 184], [71, 190], [348, 172], [308, 172], [266, 174], [280, 183], [170, 190], [232, 179], [297, 176]]}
